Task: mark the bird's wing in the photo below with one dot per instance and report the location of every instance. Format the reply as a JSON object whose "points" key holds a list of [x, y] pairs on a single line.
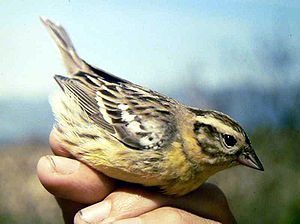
{"points": [[138, 117]]}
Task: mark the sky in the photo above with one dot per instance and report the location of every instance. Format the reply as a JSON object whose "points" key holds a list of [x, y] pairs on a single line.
{"points": [[158, 44]]}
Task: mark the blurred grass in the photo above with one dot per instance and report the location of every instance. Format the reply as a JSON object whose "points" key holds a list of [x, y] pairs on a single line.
{"points": [[22, 197], [272, 196]]}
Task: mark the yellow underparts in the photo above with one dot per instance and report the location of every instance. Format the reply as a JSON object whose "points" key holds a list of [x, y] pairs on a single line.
{"points": [[176, 169]]}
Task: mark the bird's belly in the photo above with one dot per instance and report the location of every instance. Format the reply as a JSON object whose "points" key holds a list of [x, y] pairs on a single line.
{"points": [[146, 179]]}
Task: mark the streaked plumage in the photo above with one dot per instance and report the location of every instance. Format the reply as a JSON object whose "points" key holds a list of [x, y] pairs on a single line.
{"points": [[137, 135]]}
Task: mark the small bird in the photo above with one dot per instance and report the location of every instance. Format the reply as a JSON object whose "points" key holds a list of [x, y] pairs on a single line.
{"points": [[137, 135]]}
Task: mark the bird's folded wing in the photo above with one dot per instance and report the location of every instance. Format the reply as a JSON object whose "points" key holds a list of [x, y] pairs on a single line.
{"points": [[139, 118]]}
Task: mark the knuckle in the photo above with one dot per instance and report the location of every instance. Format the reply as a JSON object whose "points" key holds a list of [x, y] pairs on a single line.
{"points": [[124, 203], [131, 197]]}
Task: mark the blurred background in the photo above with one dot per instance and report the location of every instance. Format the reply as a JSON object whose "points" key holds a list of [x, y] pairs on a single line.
{"points": [[239, 57]]}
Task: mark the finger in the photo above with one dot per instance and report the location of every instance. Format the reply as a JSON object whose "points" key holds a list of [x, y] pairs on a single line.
{"points": [[167, 215], [208, 201], [56, 147], [70, 179]]}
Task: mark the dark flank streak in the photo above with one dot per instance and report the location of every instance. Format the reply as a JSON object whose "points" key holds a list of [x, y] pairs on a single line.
{"points": [[83, 135], [70, 143]]}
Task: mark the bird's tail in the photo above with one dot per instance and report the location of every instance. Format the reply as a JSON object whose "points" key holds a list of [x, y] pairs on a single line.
{"points": [[71, 59]]}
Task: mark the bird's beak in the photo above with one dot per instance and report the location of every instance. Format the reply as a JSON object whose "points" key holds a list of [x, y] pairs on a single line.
{"points": [[250, 159]]}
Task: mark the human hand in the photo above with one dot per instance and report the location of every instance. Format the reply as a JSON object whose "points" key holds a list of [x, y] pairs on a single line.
{"points": [[80, 191]]}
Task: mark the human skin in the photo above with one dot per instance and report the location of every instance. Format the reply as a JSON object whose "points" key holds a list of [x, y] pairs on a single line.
{"points": [[87, 196]]}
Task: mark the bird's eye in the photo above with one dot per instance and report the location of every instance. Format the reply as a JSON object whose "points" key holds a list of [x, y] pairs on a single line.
{"points": [[229, 140]]}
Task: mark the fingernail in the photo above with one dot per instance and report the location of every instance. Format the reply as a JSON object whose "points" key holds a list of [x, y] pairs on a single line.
{"points": [[63, 165], [129, 221], [95, 213]]}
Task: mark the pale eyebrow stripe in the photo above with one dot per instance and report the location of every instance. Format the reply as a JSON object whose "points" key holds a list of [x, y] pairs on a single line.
{"points": [[216, 123]]}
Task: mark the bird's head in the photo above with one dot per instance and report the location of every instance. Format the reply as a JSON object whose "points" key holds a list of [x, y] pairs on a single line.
{"points": [[223, 141]]}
